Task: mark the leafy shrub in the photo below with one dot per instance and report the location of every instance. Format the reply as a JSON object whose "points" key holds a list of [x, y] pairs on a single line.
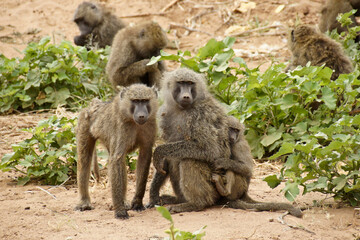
{"points": [[49, 155], [320, 146], [176, 234], [49, 76]]}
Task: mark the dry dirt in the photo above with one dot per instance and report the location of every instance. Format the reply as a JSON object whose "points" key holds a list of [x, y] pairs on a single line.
{"points": [[28, 212]]}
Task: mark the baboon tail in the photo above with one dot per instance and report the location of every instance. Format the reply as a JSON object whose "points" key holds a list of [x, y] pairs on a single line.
{"points": [[249, 203]]}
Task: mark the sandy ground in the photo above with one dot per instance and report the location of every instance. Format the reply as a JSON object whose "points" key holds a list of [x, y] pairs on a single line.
{"points": [[27, 212]]}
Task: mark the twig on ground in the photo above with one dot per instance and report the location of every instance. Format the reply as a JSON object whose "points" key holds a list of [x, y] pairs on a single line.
{"points": [[175, 25], [61, 183], [256, 30], [282, 221], [47, 192], [143, 15], [169, 5]]}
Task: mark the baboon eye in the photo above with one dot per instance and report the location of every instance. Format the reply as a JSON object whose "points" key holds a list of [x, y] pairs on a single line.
{"points": [[142, 33]]}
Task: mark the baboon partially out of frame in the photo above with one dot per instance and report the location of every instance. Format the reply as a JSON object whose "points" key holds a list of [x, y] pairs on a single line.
{"points": [[329, 13], [309, 45], [97, 25], [122, 125], [234, 186], [132, 50]]}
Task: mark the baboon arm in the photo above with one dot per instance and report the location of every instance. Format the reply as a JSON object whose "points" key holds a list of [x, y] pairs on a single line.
{"points": [[238, 167], [136, 69], [180, 150]]}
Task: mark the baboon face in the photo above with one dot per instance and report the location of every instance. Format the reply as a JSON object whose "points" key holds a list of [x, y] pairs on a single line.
{"points": [[87, 17], [139, 102], [140, 109], [233, 135], [150, 40], [184, 93]]}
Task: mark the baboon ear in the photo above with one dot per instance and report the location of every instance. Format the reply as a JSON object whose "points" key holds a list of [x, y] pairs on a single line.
{"points": [[93, 6], [122, 93], [156, 90], [292, 36]]}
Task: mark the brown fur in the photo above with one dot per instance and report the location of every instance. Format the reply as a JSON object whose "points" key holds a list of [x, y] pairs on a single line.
{"points": [[195, 134], [306, 44], [234, 186], [116, 125], [329, 13], [100, 25], [131, 52]]}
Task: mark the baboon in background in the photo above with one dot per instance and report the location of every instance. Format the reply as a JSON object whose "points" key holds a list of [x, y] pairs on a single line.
{"points": [[97, 25], [329, 13], [122, 125], [236, 185], [307, 44], [195, 129], [131, 52]]}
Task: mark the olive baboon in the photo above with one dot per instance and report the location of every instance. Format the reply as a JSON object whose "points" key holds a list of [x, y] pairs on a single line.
{"points": [[194, 127], [306, 44], [234, 186], [131, 52], [97, 25], [122, 125], [329, 13]]}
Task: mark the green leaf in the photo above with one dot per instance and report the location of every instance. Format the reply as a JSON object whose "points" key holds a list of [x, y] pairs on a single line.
{"points": [[328, 97], [272, 181], [291, 190], [164, 212], [211, 48], [285, 148], [270, 139], [340, 182]]}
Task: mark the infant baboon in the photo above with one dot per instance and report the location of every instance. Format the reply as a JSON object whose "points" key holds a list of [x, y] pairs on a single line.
{"points": [[122, 125], [131, 52], [97, 25], [234, 186], [329, 13], [226, 180], [306, 44], [194, 127]]}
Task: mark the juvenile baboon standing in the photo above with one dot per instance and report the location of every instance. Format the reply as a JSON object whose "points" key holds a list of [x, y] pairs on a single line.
{"points": [[122, 125], [132, 50], [329, 13], [307, 44], [97, 25]]}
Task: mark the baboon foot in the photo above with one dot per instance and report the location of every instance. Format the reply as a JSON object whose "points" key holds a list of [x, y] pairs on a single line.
{"points": [[137, 206], [296, 212], [121, 214], [153, 202], [183, 207], [83, 207]]}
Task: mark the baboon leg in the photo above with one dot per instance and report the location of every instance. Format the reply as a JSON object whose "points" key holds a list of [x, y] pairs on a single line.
{"points": [[96, 170], [157, 182], [85, 149], [220, 186], [196, 186], [118, 181], [142, 173], [230, 181], [265, 206]]}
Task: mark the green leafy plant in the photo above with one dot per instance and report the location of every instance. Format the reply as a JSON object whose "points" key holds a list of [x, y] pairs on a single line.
{"points": [[279, 111], [51, 75], [176, 234], [49, 155]]}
